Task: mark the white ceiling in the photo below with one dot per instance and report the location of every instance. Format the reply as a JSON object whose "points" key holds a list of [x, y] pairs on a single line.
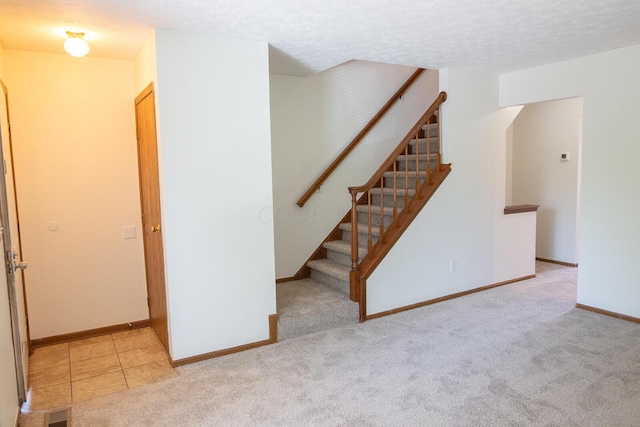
{"points": [[308, 36]]}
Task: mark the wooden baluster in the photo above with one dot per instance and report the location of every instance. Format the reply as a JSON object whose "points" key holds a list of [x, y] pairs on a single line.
{"points": [[395, 195], [369, 237], [381, 211], [406, 177], [438, 147], [417, 162], [354, 236], [428, 169]]}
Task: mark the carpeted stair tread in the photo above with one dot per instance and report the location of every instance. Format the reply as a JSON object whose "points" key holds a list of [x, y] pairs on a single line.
{"points": [[375, 210], [389, 191], [421, 156], [331, 268], [362, 228], [344, 247], [424, 139], [401, 174]]}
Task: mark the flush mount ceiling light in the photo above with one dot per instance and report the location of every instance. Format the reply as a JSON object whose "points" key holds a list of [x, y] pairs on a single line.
{"points": [[75, 45]]}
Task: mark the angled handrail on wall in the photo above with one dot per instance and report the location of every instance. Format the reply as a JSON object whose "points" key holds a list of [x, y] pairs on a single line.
{"points": [[334, 165]]}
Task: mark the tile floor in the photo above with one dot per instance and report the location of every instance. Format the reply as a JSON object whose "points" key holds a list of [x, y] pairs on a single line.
{"points": [[79, 370]]}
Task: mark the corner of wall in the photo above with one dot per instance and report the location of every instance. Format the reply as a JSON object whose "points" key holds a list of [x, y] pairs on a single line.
{"points": [[1, 61], [145, 63]]}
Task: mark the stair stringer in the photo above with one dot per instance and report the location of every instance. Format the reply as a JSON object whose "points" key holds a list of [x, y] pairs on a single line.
{"points": [[392, 234]]}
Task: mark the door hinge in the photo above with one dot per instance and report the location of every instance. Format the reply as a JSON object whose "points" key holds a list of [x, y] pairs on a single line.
{"points": [[148, 301]]}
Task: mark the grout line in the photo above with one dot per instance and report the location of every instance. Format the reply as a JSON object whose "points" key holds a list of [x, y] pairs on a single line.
{"points": [[117, 353], [70, 376], [120, 362]]}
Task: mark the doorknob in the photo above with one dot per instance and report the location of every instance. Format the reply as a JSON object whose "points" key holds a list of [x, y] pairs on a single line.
{"points": [[155, 228], [20, 265]]}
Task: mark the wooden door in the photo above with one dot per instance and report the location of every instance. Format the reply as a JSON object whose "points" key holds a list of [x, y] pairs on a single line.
{"points": [[12, 249], [151, 215]]}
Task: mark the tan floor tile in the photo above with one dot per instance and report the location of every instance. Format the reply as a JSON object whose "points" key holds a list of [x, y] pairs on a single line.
{"points": [[135, 342], [48, 359], [49, 397], [132, 333], [92, 340], [49, 376], [98, 386], [91, 351], [92, 367], [50, 348], [149, 373], [141, 356]]}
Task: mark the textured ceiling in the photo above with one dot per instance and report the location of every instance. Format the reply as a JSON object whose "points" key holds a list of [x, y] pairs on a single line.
{"points": [[308, 36]]}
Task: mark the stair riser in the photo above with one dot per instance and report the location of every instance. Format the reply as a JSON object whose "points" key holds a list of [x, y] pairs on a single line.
{"points": [[422, 147], [331, 281], [375, 219], [362, 238], [342, 258], [388, 182], [433, 130], [388, 201], [411, 164]]}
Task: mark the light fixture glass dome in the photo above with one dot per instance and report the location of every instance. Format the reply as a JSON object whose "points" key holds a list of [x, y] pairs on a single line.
{"points": [[75, 44]]}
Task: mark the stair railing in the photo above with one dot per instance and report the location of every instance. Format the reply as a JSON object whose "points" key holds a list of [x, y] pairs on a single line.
{"points": [[334, 165], [377, 181]]}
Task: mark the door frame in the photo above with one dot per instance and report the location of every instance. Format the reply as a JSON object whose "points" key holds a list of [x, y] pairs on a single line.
{"points": [[161, 331], [10, 264]]}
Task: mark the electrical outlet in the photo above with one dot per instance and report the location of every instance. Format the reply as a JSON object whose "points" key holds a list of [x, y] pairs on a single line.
{"points": [[453, 265]]}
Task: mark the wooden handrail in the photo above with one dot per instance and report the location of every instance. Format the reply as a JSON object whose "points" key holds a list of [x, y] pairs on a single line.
{"points": [[334, 165], [356, 275], [400, 148]]}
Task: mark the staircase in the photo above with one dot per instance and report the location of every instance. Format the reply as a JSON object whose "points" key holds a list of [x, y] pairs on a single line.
{"points": [[382, 209], [332, 265]]}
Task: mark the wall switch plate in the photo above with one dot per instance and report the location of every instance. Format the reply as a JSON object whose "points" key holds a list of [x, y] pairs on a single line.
{"points": [[564, 157], [129, 232], [453, 265]]}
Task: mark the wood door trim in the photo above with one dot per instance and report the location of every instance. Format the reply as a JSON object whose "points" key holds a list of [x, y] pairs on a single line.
{"points": [[142, 95], [15, 196], [21, 358], [151, 211]]}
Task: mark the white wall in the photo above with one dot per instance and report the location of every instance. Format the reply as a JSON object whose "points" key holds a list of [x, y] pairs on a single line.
{"points": [[8, 389], [145, 64], [75, 151], [213, 120], [610, 201], [464, 220], [542, 131], [509, 167], [313, 119]]}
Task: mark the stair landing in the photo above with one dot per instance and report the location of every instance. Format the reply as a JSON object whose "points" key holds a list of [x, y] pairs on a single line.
{"points": [[308, 306]]}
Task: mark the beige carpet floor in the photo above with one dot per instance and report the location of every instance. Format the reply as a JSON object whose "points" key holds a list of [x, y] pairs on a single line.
{"points": [[518, 355], [307, 306]]}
